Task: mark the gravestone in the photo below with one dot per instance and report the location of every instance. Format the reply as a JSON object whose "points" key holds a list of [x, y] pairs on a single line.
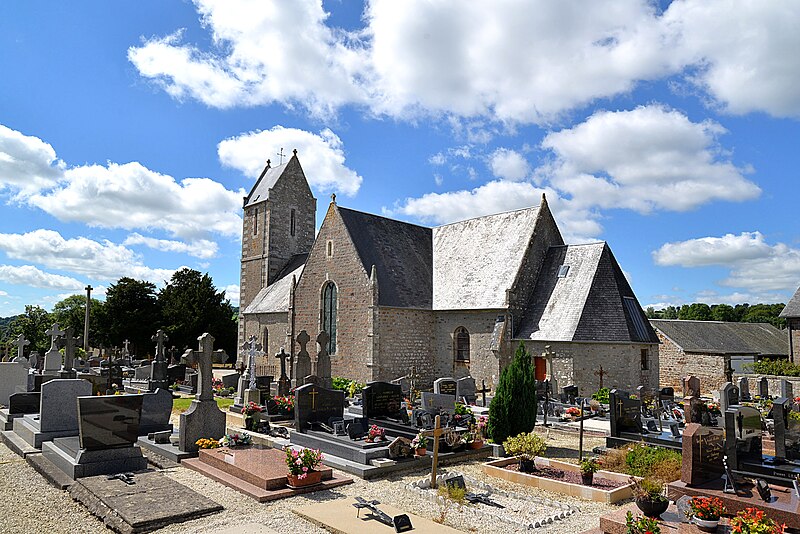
{"points": [[743, 443], [322, 366], [744, 389], [382, 399], [570, 393], [68, 367], [159, 374], [445, 386], [666, 394], [465, 389], [626, 413], [728, 396], [24, 403], [20, 342], [52, 358], [787, 430], [58, 412], [694, 407], [691, 386], [284, 383], [156, 410], [311, 379], [436, 403], [302, 366], [142, 372], [703, 449], [400, 447], [13, 379], [763, 387], [313, 403], [787, 389], [203, 419]]}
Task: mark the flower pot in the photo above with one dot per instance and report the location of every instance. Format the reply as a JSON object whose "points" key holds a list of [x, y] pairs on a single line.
{"points": [[706, 524], [311, 478], [476, 445], [420, 451], [587, 478], [526, 466], [652, 508]]}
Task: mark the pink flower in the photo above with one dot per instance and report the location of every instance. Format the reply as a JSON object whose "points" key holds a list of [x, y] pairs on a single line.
{"points": [[298, 462], [305, 469]]}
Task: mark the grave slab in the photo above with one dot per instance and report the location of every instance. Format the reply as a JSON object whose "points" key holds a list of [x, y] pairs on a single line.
{"points": [[340, 517], [256, 472], [141, 507], [167, 450]]}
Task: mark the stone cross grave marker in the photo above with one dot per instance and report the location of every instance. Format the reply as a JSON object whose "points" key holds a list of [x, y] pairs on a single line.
{"points": [[52, 358], [21, 343], [322, 367], [203, 419], [787, 389], [303, 364], [744, 389], [70, 342], [284, 384], [601, 373], [125, 345], [202, 358], [483, 391], [158, 368], [435, 434]]}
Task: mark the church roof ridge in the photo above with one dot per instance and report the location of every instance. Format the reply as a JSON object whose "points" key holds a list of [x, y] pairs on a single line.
{"points": [[580, 244], [489, 215], [381, 217]]}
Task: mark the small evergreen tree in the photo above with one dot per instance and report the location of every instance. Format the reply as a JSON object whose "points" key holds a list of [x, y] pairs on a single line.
{"points": [[513, 408]]}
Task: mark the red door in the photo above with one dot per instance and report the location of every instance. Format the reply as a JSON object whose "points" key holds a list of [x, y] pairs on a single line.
{"points": [[541, 368]]}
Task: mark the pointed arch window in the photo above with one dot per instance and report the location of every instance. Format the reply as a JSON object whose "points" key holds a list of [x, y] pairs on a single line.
{"points": [[461, 344], [265, 343], [255, 221], [329, 304]]}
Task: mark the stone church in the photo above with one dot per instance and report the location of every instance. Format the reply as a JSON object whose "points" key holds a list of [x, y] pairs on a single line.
{"points": [[451, 300]]}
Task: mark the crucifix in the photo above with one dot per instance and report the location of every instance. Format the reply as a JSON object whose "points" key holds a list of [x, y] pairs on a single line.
{"points": [[435, 434], [54, 332], [483, 391], [202, 358], [281, 155], [21, 343], [601, 374], [283, 382], [158, 368], [254, 346], [67, 370], [125, 344], [160, 337]]}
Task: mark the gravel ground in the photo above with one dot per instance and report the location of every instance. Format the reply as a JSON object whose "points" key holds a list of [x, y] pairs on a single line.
{"points": [[29, 504]]}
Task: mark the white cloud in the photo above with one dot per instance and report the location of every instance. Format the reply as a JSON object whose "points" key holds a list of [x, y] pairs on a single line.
{"points": [[754, 264], [509, 164], [3, 294], [28, 275], [98, 261], [322, 155], [27, 164], [201, 248], [232, 294], [644, 159]]}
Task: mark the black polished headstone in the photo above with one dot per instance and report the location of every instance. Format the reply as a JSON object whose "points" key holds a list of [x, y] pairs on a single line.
{"points": [[626, 413], [109, 421], [445, 386], [382, 399], [24, 403], [313, 403]]}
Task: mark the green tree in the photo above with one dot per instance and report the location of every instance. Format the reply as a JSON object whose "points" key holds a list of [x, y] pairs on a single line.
{"points": [[513, 408], [72, 312], [670, 312], [191, 305], [33, 324], [723, 312], [131, 312], [695, 312], [765, 313]]}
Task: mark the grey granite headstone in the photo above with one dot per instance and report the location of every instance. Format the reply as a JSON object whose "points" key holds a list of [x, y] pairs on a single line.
{"points": [[436, 403], [728, 396], [787, 389], [142, 373], [156, 409], [763, 387], [13, 379], [744, 389], [58, 410], [465, 388], [445, 386], [203, 419]]}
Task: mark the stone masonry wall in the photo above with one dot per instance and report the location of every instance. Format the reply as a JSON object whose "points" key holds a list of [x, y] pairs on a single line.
{"points": [[576, 363], [794, 340], [484, 364], [405, 340], [277, 324], [354, 347], [674, 364]]}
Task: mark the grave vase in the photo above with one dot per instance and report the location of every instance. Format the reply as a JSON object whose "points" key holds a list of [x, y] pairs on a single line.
{"points": [[652, 507], [587, 478], [706, 524], [312, 477], [477, 444], [251, 422], [420, 451]]}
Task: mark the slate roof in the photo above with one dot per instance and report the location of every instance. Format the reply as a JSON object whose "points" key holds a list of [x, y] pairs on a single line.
{"points": [[718, 337], [275, 297], [401, 254], [588, 304], [477, 260], [266, 181], [792, 309]]}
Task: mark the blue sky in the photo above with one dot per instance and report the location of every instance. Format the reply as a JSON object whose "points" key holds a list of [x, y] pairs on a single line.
{"points": [[130, 131]]}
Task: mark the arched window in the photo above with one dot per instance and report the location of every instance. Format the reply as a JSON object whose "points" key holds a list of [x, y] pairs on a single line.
{"points": [[329, 314], [265, 342], [255, 221], [292, 224], [461, 344]]}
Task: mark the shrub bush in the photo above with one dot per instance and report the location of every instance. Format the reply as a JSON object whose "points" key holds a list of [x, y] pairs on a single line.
{"points": [[526, 445], [642, 461], [774, 367], [513, 408], [601, 395]]}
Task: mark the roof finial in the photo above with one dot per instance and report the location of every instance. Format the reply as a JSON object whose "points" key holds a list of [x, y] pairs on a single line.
{"points": [[294, 151], [333, 198], [268, 163], [544, 199]]}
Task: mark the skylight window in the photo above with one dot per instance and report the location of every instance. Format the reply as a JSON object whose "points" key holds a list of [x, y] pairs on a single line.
{"points": [[562, 271]]}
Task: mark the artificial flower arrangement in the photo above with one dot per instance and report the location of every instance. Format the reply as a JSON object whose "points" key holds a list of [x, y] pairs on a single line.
{"points": [[285, 404], [376, 433], [755, 521], [301, 463], [714, 408], [251, 408], [572, 411], [420, 441], [236, 440], [207, 443], [641, 525]]}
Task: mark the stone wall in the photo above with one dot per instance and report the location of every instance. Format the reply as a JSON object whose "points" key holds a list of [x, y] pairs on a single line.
{"points": [[353, 358], [277, 326], [575, 363], [674, 364], [405, 337], [773, 381], [794, 338]]}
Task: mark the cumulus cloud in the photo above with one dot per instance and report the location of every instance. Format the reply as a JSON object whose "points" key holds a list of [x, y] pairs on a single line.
{"points": [[754, 264], [97, 261], [232, 294], [201, 248], [509, 165], [322, 155], [27, 164], [28, 275]]}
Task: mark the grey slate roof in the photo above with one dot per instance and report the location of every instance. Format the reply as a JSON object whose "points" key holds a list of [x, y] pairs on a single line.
{"points": [[265, 182], [792, 309], [275, 297], [401, 254], [587, 304], [718, 337], [477, 260]]}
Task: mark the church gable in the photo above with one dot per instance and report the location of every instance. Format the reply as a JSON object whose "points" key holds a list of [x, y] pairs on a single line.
{"points": [[288, 176]]}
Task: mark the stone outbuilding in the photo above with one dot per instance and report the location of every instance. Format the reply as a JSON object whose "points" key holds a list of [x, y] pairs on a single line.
{"points": [[791, 312]]}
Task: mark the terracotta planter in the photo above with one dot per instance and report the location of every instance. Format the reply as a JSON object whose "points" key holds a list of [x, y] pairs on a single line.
{"points": [[420, 451], [312, 477], [706, 524], [652, 508], [476, 445], [587, 478]]}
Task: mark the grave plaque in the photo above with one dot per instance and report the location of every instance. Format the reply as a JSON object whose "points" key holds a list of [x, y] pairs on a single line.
{"points": [[109, 421], [313, 403], [24, 403], [445, 386], [382, 399], [436, 403], [703, 449], [400, 447], [626, 413]]}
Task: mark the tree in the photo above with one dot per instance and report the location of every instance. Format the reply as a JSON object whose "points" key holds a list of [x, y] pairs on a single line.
{"points": [[131, 312], [33, 324], [723, 312], [72, 312], [191, 305], [513, 408], [765, 313], [695, 312]]}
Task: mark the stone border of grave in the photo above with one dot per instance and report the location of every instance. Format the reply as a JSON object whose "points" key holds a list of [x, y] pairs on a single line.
{"points": [[422, 486], [496, 469]]}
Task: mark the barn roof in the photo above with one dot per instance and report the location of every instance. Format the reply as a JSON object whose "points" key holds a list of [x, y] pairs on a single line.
{"points": [[717, 337]]}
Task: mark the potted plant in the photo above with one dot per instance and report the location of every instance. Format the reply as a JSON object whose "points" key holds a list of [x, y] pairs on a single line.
{"points": [[641, 525], [252, 415], [755, 521], [420, 444], [588, 468], [706, 511], [649, 496], [303, 466], [526, 447]]}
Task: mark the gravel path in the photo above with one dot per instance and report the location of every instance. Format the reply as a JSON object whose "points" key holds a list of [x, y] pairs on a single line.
{"points": [[29, 504]]}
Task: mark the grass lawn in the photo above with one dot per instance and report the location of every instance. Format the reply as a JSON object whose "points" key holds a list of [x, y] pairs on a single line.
{"points": [[181, 405]]}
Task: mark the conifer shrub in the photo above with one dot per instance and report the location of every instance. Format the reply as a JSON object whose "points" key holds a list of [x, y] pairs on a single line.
{"points": [[513, 408]]}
